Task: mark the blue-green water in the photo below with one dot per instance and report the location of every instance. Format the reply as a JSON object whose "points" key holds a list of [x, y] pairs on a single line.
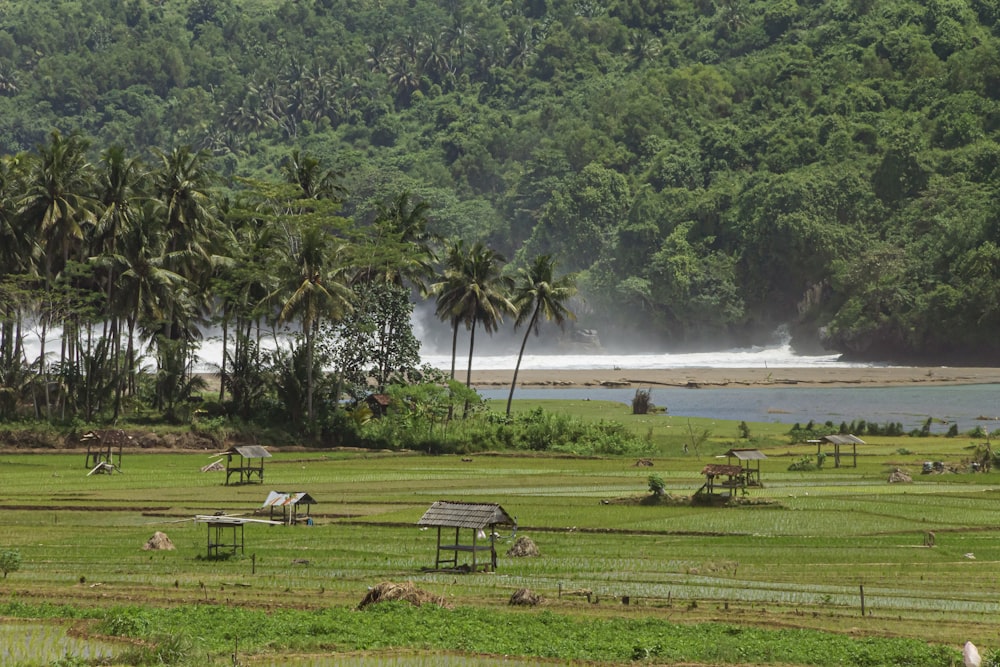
{"points": [[966, 405]]}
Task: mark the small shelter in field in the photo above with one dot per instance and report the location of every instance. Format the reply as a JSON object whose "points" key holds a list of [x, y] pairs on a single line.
{"points": [[725, 476], [104, 447], [250, 464], [286, 506], [218, 524], [749, 460], [741, 470], [839, 441], [479, 520]]}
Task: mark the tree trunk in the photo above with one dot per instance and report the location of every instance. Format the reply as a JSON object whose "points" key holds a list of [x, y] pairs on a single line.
{"points": [[454, 345], [222, 369], [517, 366], [309, 372]]}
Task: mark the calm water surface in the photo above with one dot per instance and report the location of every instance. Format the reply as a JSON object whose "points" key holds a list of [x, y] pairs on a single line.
{"points": [[967, 405]]}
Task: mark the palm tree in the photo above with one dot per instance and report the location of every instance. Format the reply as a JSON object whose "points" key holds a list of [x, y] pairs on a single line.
{"points": [[307, 172], [241, 287], [449, 293], [15, 263], [403, 248], [121, 190], [147, 292], [58, 200], [180, 186], [474, 291], [537, 292], [315, 291], [58, 204], [185, 216]]}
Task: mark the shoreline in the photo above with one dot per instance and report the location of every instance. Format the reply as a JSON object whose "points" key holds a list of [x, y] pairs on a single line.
{"points": [[707, 378]]}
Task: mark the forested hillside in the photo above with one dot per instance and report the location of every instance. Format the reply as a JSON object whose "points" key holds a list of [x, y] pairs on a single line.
{"points": [[711, 168]]}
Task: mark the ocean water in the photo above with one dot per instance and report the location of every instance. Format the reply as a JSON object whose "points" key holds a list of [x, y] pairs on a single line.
{"points": [[778, 355]]}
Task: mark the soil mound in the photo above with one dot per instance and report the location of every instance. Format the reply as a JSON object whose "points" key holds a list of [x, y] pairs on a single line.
{"points": [[899, 477], [523, 546], [158, 542], [524, 597], [406, 592]]}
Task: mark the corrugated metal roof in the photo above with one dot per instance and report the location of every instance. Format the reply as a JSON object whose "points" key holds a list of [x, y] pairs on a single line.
{"points": [[844, 439], [249, 452], [746, 454], [465, 515], [281, 499]]}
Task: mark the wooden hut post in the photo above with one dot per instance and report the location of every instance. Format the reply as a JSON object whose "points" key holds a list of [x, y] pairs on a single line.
{"points": [[493, 547], [475, 534]]}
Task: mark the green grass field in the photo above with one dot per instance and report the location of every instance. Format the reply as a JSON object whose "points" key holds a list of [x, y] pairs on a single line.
{"points": [[797, 562]]}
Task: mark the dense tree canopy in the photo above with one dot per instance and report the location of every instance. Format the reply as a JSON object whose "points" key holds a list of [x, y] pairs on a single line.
{"points": [[711, 169]]}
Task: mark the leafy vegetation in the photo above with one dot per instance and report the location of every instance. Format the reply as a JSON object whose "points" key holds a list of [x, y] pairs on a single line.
{"points": [[711, 169], [10, 561]]}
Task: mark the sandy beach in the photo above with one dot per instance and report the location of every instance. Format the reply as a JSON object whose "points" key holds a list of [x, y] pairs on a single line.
{"points": [[738, 377]]}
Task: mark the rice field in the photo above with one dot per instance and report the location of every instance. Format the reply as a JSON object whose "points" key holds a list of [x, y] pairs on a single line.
{"points": [[803, 556], [28, 644]]}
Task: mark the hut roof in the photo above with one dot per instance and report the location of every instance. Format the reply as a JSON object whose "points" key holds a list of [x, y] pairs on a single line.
{"points": [[281, 499], [380, 399], [249, 452], [109, 436], [746, 454], [717, 469], [465, 515], [844, 439]]}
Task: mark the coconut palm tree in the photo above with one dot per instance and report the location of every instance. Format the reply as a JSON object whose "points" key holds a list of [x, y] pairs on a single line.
{"points": [[474, 291], [307, 172], [185, 214], [316, 291], [403, 249], [120, 179], [58, 205], [449, 294], [538, 294], [15, 260], [58, 202], [147, 291], [186, 210]]}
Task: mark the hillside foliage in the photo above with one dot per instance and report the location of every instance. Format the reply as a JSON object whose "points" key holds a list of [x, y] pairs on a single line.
{"points": [[711, 168]]}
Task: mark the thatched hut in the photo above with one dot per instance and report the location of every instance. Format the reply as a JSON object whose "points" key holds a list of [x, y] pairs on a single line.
{"points": [[480, 519]]}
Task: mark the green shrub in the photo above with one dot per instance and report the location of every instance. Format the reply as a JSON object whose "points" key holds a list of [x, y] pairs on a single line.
{"points": [[656, 485], [10, 561], [803, 464], [125, 623]]}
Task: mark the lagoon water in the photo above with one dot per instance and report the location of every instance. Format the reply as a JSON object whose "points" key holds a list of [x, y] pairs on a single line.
{"points": [[966, 405]]}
